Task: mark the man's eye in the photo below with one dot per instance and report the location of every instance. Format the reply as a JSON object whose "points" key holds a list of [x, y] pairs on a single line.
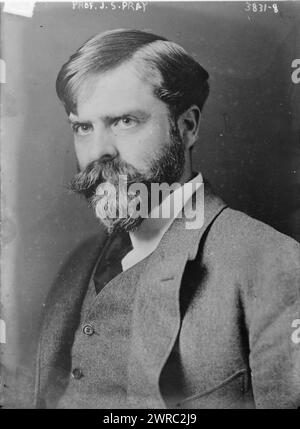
{"points": [[82, 129], [125, 122]]}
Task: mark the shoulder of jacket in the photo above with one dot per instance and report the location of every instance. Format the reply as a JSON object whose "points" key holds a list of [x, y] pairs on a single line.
{"points": [[87, 247], [242, 235], [242, 225], [79, 261], [83, 254]]}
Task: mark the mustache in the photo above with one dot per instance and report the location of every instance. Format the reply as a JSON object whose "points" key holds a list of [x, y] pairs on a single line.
{"points": [[86, 181]]}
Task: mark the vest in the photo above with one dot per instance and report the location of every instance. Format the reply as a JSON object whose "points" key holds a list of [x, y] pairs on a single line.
{"points": [[100, 351]]}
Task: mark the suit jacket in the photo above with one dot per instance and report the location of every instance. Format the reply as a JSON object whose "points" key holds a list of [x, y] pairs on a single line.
{"points": [[212, 318]]}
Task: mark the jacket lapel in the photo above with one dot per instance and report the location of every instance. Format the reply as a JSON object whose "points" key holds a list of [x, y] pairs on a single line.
{"points": [[156, 314]]}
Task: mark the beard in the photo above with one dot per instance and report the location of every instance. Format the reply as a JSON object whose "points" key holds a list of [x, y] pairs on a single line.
{"points": [[166, 167]]}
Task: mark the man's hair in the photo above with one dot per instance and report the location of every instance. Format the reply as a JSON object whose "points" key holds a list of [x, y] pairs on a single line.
{"points": [[177, 79]]}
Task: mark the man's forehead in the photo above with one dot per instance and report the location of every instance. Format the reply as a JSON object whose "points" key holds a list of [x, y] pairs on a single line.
{"points": [[114, 92]]}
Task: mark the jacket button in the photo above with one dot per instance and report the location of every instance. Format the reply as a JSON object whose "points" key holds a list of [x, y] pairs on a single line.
{"points": [[77, 373], [88, 330]]}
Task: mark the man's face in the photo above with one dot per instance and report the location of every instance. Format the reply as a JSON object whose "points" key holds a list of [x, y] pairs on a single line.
{"points": [[118, 114], [122, 128]]}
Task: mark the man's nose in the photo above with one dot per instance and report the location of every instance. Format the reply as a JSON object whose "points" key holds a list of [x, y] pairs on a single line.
{"points": [[102, 146]]}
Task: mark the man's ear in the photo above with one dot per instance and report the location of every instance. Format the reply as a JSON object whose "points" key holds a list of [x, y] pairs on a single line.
{"points": [[188, 124]]}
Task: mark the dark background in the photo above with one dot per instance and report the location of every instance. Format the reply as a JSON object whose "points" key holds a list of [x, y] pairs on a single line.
{"points": [[248, 148]]}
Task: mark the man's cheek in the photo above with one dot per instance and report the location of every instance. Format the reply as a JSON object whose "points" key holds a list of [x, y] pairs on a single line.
{"points": [[135, 157], [142, 148]]}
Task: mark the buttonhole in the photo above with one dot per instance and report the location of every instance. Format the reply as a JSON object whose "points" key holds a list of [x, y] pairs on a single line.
{"points": [[165, 279]]}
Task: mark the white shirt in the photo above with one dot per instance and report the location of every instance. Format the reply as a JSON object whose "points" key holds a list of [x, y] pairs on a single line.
{"points": [[148, 235]]}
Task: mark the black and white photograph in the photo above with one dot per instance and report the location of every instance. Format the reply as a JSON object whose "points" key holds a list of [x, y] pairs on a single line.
{"points": [[150, 207]]}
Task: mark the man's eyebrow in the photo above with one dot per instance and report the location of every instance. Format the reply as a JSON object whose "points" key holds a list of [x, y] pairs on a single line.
{"points": [[77, 121], [138, 113]]}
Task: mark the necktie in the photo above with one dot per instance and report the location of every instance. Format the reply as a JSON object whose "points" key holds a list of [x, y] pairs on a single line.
{"points": [[109, 265]]}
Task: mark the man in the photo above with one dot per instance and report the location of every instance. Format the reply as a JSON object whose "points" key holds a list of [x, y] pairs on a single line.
{"points": [[156, 314]]}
